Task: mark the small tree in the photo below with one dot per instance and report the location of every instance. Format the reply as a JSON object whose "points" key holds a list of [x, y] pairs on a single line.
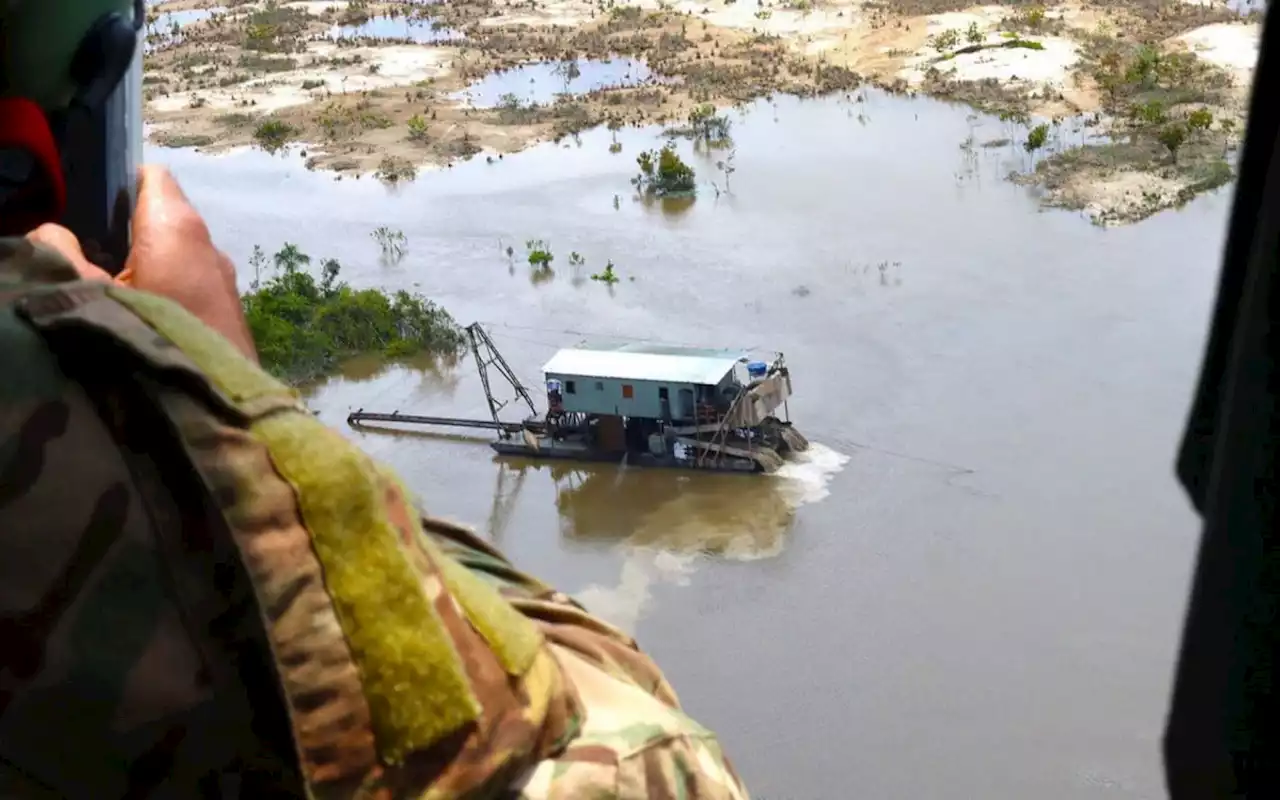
{"points": [[1149, 113], [1037, 138], [1228, 127], [1144, 70], [727, 168], [974, 34], [945, 40], [1200, 120], [662, 172], [391, 242], [1172, 136], [329, 270], [539, 254], [417, 128], [615, 125], [1109, 75], [568, 71], [273, 135], [257, 260], [707, 125], [289, 258], [607, 275]]}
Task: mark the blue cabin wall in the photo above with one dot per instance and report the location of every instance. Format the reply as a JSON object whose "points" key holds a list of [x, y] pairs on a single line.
{"points": [[605, 396]]}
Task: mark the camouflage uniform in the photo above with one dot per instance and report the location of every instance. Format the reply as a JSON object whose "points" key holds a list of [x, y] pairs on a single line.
{"points": [[206, 592]]}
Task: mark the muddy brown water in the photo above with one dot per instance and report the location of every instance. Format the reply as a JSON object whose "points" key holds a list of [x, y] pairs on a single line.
{"points": [[973, 586]]}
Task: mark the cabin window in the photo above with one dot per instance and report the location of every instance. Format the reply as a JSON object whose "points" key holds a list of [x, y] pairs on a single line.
{"points": [[599, 386], [662, 393], [570, 387], [627, 391]]}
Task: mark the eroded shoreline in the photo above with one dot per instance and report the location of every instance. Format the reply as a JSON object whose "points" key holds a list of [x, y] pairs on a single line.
{"points": [[1161, 89]]}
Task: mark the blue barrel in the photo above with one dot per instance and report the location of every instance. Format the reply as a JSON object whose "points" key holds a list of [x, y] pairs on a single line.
{"points": [[757, 369]]}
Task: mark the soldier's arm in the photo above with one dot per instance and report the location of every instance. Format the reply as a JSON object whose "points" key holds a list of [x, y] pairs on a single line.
{"points": [[593, 716]]}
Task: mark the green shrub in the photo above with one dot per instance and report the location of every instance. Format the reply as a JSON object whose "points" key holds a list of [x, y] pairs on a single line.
{"points": [[304, 327], [273, 134]]}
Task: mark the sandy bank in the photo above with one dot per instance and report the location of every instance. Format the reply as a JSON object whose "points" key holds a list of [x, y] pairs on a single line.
{"points": [[366, 102], [1232, 46]]}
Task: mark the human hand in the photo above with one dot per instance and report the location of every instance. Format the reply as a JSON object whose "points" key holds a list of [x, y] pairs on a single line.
{"points": [[172, 254]]}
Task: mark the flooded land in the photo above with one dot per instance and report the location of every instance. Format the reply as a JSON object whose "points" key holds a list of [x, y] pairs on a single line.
{"points": [[1127, 106], [972, 584]]}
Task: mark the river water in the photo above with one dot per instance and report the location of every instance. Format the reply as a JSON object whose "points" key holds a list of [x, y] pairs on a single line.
{"points": [[973, 585]]}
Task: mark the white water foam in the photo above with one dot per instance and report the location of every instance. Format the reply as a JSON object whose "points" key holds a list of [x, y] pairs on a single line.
{"points": [[807, 476]]}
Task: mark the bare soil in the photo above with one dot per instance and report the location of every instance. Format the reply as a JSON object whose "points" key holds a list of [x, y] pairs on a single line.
{"points": [[271, 74]]}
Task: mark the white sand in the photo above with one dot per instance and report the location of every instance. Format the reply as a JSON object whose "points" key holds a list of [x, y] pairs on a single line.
{"points": [[779, 19], [1123, 191], [988, 19], [570, 13], [317, 6], [1050, 66], [1232, 46], [398, 65]]}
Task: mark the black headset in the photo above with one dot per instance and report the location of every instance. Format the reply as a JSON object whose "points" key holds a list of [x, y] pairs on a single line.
{"points": [[105, 54]]}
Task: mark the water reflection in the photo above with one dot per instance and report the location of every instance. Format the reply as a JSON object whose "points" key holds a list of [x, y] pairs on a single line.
{"points": [[738, 517], [1244, 7], [185, 17], [437, 376], [165, 29], [539, 276], [419, 30], [542, 82], [669, 205]]}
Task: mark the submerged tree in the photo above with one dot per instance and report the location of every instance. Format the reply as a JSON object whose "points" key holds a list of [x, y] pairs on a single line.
{"points": [[707, 125], [606, 276], [391, 242], [1037, 138], [304, 327], [727, 168], [662, 173], [539, 254], [568, 71]]}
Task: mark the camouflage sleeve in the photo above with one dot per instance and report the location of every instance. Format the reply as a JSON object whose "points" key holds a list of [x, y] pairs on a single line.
{"points": [[561, 618], [635, 742], [110, 682]]}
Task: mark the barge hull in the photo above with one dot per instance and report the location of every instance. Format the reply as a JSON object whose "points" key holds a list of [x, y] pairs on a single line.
{"points": [[570, 453]]}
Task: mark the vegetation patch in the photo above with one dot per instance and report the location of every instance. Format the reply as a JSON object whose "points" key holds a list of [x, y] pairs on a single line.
{"points": [[664, 174], [704, 125], [305, 327], [171, 139], [342, 120], [1167, 121], [273, 135], [275, 28], [989, 95], [393, 170], [1183, 154]]}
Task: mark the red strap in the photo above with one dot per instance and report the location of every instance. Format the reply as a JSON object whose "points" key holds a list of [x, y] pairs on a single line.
{"points": [[23, 126]]}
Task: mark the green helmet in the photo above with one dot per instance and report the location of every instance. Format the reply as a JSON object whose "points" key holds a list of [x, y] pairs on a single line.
{"points": [[41, 39]]}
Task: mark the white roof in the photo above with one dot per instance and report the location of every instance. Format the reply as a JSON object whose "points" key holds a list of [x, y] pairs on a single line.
{"points": [[644, 363]]}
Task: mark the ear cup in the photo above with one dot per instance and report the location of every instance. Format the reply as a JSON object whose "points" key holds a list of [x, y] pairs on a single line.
{"points": [[103, 58]]}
